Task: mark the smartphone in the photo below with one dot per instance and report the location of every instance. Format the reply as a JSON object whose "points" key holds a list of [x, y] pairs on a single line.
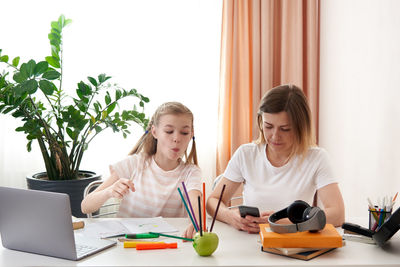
{"points": [[248, 210]]}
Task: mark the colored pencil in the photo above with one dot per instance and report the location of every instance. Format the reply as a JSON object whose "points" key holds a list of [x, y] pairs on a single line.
{"points": [[216, 211], [190, 204], [395, 196], [204, 207], [173, 236], [187, 209], [201, 228]]}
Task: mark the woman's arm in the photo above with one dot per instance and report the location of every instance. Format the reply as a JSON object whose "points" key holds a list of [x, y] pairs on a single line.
{"points": [[332, 200], [112, 187], [230, 216]]}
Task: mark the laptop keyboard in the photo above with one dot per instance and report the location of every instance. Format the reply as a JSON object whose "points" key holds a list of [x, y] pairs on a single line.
{"points": [[82, 249]]}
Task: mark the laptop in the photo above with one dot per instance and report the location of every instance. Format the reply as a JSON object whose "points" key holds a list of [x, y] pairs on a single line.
{"points": [[40, 222]]}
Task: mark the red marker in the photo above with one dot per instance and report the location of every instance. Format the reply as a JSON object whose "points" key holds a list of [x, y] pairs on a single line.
{"points": [[156, 246]]}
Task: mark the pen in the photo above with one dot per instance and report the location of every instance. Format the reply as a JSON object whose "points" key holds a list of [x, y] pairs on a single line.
{"points": [[173, 236], [156, 246], [139, 236], [372, 210], [132, 244]]}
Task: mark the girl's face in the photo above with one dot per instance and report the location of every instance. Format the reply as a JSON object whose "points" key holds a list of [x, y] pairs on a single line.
{"points": [[173, 134], [278, 132]]}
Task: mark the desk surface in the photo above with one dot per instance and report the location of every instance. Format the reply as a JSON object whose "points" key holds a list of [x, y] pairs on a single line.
{"points": [[236, 248]]}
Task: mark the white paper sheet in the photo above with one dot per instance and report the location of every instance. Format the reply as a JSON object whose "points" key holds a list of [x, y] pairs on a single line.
{"points": [[111, 228]]}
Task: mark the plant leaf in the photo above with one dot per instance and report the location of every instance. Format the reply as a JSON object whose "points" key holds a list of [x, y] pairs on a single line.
{"points": [[56, 26], [15, 62], [98, 128], [41, 67], [71, 133], [102, 78], [54, 52], [30, 86], [107, 98], [4, 58], [92, 81], [53, 62], [19, 77], [67, 21], [30, 66], [47, 87], [61, 20], [51, 75], [29, 146], [111, 107]]}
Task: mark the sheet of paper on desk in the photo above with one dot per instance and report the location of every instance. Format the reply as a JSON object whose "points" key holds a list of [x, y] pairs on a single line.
{"points": [[111, 228]]}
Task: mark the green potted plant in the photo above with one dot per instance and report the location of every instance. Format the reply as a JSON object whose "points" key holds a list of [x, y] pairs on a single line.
{"points": [[63, 125]]}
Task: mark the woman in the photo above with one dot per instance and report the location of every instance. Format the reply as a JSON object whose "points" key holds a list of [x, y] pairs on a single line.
{"points": [[282, 166]]}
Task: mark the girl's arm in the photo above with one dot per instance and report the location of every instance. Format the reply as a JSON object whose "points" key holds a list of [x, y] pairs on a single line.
{"points": [[332, 200], [112, 187], [193, 195]]}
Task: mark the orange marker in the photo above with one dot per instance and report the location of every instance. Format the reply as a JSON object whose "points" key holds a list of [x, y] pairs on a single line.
{"points": [[133, 244], [156, 246], [204, 207]]}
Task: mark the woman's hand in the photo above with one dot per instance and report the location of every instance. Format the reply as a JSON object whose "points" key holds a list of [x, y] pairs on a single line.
{"points": [[249, 223], [189, 232], [121, 187]]}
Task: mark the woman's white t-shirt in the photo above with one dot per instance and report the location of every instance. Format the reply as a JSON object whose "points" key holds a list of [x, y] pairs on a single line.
{"points": [[156, 190], [274, 188]]}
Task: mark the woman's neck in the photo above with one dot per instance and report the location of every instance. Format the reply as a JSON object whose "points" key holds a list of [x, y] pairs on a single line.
{"points": [[164, 163], [277, 159]]}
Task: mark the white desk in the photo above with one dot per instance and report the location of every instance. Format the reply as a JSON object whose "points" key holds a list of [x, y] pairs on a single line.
{"points": [[236, 248]]}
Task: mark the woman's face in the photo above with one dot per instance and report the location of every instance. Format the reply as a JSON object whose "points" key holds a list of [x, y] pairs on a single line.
{"points": [[173, 134], [278, 132]]}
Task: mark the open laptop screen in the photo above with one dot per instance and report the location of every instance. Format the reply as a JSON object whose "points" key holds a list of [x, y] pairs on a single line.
{"points": [[35, 221]]}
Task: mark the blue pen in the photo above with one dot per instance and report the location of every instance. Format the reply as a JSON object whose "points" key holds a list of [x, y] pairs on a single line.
{"points": [[381, 217]]}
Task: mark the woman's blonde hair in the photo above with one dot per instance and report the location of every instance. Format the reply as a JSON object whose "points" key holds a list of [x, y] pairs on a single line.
{"points": [[148, 144], [291, 99]]}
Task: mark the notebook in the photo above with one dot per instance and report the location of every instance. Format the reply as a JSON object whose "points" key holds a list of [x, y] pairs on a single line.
{"points": [[328, 237], [40, 222], [304, 254]]}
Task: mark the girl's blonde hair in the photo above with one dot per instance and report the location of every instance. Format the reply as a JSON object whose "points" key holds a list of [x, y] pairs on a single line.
{"points": [[291, 99], [148, 144]]}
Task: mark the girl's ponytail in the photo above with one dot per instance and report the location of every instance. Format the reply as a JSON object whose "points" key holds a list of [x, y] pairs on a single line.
{"points": [[192, 158], [146, 143]]}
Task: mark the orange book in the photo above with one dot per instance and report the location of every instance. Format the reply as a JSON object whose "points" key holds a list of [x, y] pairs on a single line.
{"points": [[328, 237]]}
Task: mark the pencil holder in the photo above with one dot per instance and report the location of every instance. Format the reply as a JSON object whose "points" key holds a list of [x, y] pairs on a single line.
{"points": [[377, 217], [205, 244]]}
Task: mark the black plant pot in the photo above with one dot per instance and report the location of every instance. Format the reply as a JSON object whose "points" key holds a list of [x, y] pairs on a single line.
{"points": [[73, 188]]}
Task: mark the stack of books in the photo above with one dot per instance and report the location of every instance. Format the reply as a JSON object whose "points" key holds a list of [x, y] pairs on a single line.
{"points": [[300, 245]]}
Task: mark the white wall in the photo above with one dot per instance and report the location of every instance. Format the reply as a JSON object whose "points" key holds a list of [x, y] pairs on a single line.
{"points": [[168, 50], [360, 93]]}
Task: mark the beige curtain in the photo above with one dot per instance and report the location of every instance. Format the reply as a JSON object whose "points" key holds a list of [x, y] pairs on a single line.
{"points": [[264, 43]]}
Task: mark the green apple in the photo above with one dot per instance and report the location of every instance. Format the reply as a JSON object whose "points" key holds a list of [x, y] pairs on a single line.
{"points": [[205, 245]]}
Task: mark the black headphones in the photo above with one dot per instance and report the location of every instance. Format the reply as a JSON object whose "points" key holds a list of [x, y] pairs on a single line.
{"points": [[303, 216]]}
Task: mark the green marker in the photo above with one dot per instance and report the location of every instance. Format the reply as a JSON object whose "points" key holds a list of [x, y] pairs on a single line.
{"points": [[140, 236]]}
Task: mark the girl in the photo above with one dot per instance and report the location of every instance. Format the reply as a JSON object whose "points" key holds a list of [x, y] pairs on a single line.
{"points": [[282, 166], [147, 180]]}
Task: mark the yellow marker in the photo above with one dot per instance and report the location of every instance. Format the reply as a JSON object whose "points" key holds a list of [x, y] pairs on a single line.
{"points": [[132, 244]]}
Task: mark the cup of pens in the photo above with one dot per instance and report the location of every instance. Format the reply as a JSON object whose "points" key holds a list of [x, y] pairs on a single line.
{"points": [[377, 217], [379, 214], [204, 242]]}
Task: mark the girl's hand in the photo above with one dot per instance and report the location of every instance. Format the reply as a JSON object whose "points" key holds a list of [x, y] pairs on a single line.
{"points": [[121, 187], [189, 232], [249, 223]]}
